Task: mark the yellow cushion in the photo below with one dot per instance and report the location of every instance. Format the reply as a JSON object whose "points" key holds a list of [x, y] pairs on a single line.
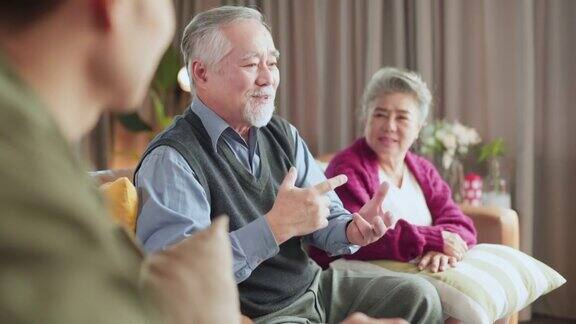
{"points": [[122, 202]]}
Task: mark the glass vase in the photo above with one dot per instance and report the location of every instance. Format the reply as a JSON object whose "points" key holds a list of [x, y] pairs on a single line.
{"points": [[495, 181], [454, 176], [496, 193]]}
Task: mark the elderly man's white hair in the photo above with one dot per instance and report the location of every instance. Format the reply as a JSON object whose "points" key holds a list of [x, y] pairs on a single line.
{"points": [[390, 80], [203, 39]]}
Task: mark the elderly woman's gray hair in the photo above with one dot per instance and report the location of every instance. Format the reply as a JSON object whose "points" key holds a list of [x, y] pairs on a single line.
{"points": [[203, 40], [390, 80]]}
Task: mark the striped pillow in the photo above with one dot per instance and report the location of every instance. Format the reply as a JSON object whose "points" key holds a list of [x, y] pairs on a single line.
{"points": [[492, 282]]}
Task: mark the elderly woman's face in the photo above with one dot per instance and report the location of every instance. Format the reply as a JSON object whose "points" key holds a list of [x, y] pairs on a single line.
{"points": [[392, 125]]}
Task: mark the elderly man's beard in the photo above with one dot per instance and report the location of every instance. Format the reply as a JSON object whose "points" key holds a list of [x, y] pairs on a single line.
{"points": [[259, 108]]}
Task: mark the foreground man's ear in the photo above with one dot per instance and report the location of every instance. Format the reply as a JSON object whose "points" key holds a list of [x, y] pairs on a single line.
{"points": [[103, 12]]}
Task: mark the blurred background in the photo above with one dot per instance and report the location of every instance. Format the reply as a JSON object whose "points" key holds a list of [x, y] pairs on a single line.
{"points": [[505, 68]]}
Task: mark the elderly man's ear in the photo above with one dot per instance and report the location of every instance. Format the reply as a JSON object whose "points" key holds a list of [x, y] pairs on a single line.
{"points": [[199, 74]]}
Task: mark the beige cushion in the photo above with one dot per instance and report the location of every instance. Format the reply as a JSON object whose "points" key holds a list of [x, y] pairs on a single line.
{"points": [[491, 282], [122, 201]]}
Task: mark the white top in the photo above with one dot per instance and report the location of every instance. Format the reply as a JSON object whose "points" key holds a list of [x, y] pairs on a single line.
{"points": [[406, 202]]}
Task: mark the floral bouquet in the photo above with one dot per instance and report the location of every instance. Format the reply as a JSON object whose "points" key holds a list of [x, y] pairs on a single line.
{"points": [[450, 140]]}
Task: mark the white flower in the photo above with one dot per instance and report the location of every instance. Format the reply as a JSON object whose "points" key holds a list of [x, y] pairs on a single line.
{"points": [[447, 159], [449, 140], [428, 141]]}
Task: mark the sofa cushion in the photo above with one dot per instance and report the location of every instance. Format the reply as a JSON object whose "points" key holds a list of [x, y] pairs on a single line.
{"points": [[491, 282], [122, 201]]}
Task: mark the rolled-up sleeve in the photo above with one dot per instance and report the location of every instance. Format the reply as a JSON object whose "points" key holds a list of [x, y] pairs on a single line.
{"points": [[174, 205]]}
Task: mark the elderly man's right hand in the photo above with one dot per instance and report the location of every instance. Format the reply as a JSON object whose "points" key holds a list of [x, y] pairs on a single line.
{"points": [[300, 211]]}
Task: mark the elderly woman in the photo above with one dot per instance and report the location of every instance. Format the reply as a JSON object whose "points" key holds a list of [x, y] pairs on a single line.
{"points": [[428, 224]]}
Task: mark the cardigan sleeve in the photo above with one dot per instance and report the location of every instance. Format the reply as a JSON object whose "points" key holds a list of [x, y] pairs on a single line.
{"points": [[446, 215]]}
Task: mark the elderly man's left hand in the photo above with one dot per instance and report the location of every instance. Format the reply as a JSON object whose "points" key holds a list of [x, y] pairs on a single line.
{"points": [[368, 225]]}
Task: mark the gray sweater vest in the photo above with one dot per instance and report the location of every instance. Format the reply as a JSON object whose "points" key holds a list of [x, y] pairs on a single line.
{"points": [[234, 191]]}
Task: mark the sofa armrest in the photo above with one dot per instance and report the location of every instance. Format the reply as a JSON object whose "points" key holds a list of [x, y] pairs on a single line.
{"points": [[494, 224], [498, 226], [104, 176]]}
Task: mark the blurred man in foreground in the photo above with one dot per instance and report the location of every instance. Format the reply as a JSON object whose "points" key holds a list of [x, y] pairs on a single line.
{"points": [[63, 63]]}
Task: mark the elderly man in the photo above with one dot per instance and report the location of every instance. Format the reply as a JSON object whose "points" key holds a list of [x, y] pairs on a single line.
{"points": [[63, 63], [227, 154]]}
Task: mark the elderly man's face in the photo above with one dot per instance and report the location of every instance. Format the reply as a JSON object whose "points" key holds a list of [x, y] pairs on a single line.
{"points": [[242, 87], [393, 125]]}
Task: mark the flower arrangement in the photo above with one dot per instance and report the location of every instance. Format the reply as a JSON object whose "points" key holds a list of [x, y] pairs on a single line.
{"points": [[450, 140]]}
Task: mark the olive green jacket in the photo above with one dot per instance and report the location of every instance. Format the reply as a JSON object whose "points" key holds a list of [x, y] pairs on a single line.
{"points": [[61, 259]]}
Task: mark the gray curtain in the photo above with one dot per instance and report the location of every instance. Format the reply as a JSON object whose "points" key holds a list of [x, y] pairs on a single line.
{"points": [[554, 153], [506, 68]]}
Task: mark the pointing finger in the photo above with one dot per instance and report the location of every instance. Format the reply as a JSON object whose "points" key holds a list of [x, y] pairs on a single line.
{"points": [[330, 184]]}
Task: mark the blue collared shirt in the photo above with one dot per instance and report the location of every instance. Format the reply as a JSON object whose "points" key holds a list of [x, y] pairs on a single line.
{"points": [[173, 203]]}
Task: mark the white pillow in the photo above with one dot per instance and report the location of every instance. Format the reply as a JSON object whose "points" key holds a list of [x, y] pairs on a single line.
{"points": [[491, 282]]}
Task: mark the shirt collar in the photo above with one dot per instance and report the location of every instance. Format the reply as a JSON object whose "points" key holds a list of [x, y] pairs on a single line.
{"points": [[215, 125]]}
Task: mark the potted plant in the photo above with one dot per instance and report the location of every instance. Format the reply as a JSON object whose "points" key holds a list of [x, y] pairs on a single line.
{"points": [[138, 128], [164, 82]]}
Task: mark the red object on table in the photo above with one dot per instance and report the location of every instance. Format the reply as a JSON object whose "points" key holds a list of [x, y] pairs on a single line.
{"points": [[473, 189]]}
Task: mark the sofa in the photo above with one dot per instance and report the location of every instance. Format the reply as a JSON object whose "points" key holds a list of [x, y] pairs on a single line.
{"points": [[494, 224]]}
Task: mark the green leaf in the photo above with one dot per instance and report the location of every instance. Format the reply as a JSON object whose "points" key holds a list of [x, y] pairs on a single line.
{"points": [[167, 72], [159, 110], [134, 123], [494, 148]]}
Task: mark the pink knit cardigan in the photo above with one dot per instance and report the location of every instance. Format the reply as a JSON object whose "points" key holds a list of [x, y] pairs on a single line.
{"points": [[405, 241]]}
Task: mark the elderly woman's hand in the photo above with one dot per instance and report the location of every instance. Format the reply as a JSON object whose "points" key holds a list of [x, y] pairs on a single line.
{"points": [[436, 261], [454, 245]]}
